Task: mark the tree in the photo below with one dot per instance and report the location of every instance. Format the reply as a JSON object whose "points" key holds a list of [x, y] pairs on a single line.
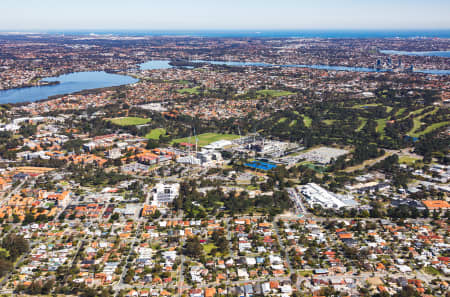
{"points": [[407, 291], [114, 216], [294, 278], [193, 247], [16, 245], [220, 241], [5, 267], [152, 144]]}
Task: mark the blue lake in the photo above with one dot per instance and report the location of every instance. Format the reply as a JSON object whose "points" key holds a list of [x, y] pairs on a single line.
{"points": [[69, 83]]}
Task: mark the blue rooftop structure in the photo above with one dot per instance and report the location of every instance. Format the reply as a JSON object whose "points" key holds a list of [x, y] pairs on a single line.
{"points": [[260, 165], [414, 139]]}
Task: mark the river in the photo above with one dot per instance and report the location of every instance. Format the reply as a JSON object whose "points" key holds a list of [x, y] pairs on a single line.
{"points": [[79, 81], [164, 64], [323, 67]]}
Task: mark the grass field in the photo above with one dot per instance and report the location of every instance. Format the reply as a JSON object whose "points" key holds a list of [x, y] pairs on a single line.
{"points": [[208, 247], [367, 163], [363, 123], [418, 123], [400, 111], [316, 168], [412, 113], [155, 133], [190, 91], [427, 113], [416, 112], [305, 273], [329, 122], [431, 270], [407, 160], [429, 129], [307, 121], [129, 121], [206, 138], [274, 93], [310, 165], [251, 188], [381, 124], [416, 126], [362, 106]]}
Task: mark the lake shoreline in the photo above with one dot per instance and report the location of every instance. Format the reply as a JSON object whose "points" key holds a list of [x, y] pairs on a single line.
{"points": [[40, 84], [65, 84], [82, 92]]}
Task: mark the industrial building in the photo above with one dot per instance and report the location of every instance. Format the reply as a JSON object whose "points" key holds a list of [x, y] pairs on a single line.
{"points": [[315, 194], [163, 194]]}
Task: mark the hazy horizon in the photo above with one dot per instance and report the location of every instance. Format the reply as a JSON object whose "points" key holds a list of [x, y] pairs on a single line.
{"points": [[47, 15], [180, 30]]}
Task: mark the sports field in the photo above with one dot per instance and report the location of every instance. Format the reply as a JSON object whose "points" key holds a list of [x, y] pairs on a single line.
{"points": [[129, 121], [407, 160], [206, 138]]}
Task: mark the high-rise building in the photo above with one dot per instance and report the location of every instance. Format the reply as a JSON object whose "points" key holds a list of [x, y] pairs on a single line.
{"points": [[378, 65]]}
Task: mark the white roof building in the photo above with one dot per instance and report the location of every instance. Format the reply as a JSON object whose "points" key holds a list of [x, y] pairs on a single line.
{"points": [[218, 144], [189, 160], [315, 194], [164, 194]]}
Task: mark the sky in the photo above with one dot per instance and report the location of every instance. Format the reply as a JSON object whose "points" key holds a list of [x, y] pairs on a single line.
{"points": [[223, 14]]}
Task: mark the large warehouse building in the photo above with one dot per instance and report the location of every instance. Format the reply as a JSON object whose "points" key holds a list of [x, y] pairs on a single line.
{"points": [[315, 194]]}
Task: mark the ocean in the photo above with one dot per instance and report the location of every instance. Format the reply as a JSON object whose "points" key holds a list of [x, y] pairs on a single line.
{"points": [[270, 33]]}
